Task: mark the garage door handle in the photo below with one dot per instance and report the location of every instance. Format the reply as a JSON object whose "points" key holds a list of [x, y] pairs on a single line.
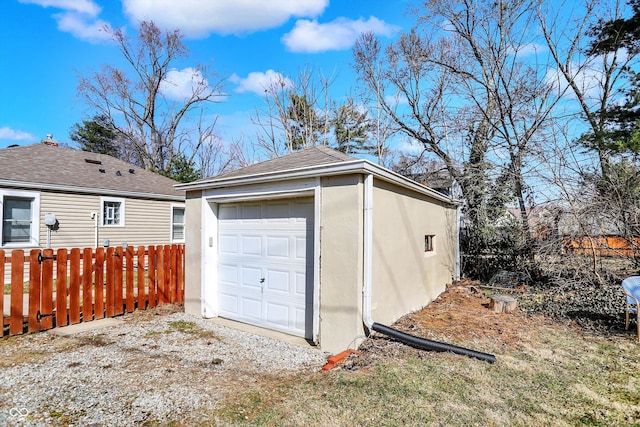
{"points": [[262, 280]]}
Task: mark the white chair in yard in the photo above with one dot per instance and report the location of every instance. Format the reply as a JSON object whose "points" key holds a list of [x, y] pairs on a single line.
{"points": [[631, 287]]}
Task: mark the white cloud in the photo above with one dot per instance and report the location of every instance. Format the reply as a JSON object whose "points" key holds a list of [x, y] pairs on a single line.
{"points": [[197, 18], [312, 37], [78, 17], [182, 84], [410, 147], [81, 28], [529, 49], [588, 80], [259, 82], [15, 135], [86, 7], [396, 99]]}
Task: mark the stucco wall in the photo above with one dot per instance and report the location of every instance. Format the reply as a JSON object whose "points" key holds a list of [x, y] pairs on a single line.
{"points": [[341, 270], [405, 277], [193, 254]]}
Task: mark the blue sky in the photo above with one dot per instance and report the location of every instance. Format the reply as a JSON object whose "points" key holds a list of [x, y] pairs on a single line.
{"points": [[46, 44]]}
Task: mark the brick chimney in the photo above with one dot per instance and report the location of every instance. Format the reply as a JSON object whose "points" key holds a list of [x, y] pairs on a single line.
{"points": [[50, 141]]}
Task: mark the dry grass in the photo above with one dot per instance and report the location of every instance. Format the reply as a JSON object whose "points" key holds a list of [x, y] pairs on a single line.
{"points": [[546, 374]]}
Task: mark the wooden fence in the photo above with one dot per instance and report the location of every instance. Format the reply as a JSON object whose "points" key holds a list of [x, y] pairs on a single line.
{"points": [[605, 246], [66, 287]]}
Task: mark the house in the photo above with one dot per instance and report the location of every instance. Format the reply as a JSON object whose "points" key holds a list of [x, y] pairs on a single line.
{"points": [[316, 244], [58, 197]]}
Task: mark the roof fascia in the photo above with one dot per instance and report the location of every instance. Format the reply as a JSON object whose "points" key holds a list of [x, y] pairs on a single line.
{"points": [[341, 168], [87, 190]]}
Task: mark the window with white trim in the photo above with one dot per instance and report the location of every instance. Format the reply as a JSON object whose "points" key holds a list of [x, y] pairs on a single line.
{"points": [[177, 223], [112, 212], [20, 212]]}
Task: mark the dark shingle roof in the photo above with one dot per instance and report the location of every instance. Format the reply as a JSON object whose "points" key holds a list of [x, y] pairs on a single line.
{"points": [[48, 166], [314, 156]]}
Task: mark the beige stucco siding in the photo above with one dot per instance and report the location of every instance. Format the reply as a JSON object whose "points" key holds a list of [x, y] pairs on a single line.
{"points": [[147, 222], [405, 277], [193, 254], [341, 270]]}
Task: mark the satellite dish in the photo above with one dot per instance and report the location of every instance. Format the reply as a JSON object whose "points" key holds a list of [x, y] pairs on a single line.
{"points": [[50, 219]]}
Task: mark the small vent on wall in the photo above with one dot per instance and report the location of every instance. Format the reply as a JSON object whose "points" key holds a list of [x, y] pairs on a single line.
{"points": [[102, 170], [118, 173], [132, 171]]}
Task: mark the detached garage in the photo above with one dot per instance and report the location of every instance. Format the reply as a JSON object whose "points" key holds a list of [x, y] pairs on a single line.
{"points": [[316, 244]]}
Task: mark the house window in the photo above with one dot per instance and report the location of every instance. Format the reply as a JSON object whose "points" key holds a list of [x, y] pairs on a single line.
{"points": [[112, 212], [177, 223], [429, 240], [20, 219]]}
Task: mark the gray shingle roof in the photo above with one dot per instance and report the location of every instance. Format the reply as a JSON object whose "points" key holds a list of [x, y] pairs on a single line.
{"points": [[314, 156], [46, 166]]}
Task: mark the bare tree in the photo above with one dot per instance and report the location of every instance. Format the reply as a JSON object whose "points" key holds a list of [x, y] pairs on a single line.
{"points": [[296, 114], [596, 81], [153, 125], [472, 98]]}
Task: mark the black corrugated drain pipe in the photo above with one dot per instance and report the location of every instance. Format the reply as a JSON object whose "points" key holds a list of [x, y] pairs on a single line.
{"points": [[426, 344]]}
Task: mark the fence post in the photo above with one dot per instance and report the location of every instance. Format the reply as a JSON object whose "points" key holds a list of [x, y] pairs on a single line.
{"points": [[34, 290], [74, 286], [46, 297], [62, 317], [162, 292], [167, 273], [110, 291], [17, 284], [181, 261], [118, 300], [151, 273], [2, 261], [141, 288], [129, 280], [98, 267], [87, 284], [174, 273]]}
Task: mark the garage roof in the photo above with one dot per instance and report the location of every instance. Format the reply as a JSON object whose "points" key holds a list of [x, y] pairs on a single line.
{"points": [[310, 162]]}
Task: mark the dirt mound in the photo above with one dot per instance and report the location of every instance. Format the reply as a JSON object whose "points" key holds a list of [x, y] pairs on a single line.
{"points": [[459, 316]]}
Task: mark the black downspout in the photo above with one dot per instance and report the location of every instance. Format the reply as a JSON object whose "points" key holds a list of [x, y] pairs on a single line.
{"points": [[425, 344]]}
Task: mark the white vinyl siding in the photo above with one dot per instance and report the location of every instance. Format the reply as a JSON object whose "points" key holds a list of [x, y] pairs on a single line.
{"points": [[147, 223]]}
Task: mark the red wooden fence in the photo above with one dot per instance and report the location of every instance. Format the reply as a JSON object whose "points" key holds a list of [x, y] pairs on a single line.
{"points": [[72, 286], [606, 246]]}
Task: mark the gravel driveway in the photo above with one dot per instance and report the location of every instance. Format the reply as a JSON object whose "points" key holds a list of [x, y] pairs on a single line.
{"points": [[154, 367]]}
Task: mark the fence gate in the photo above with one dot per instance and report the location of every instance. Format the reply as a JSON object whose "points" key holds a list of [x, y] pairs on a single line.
{"points": [[66, 287]]}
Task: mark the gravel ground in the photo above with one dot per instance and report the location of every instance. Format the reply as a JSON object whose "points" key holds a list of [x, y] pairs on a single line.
{"points": [[154, 368]]}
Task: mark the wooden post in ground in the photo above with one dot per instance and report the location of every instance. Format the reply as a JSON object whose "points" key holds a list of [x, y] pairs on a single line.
{"points": [[502, 303]]}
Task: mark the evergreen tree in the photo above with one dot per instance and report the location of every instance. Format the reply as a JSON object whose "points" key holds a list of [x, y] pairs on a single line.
{"points": [[352, 130], [621, 132], [182, 169], [304, 123], [96, 136]]}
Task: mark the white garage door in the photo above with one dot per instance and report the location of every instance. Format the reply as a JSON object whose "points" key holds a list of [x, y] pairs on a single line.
{"points": [[265, 264]]}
